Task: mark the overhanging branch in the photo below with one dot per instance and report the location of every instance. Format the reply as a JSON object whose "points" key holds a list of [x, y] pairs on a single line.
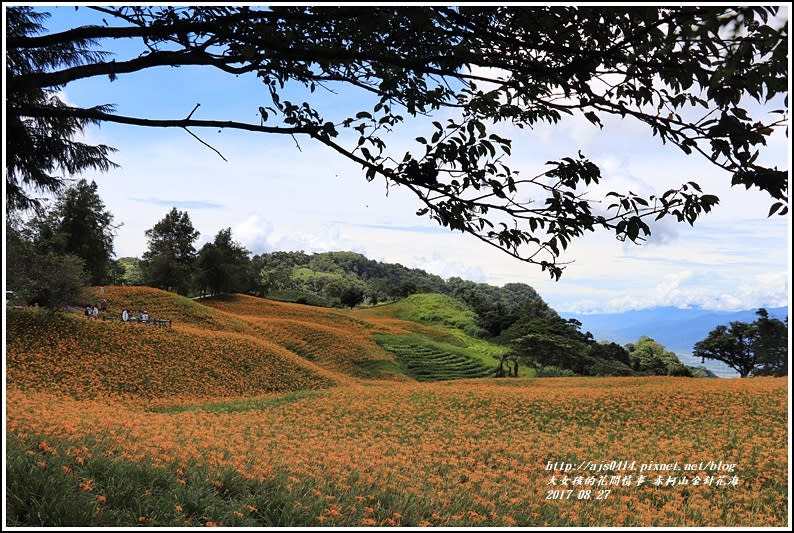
{"points": [[93, 114]]}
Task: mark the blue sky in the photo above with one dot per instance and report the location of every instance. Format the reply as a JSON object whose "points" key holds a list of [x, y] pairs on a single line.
{"points": [[275, 197]]}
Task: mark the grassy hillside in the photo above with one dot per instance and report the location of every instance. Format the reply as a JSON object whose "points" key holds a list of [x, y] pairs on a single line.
{"points": [[163, 304], [240, 346], [425, 360], [431, 309], [80, 358], [439, 343], [250, 413], [331, 338], [426, 332]]}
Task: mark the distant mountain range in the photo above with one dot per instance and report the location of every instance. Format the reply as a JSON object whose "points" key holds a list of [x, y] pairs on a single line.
{"points": [[677, 329]]}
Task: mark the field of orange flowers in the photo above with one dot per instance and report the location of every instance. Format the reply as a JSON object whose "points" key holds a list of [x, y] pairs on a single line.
{"points": [[471, 453], [87, 359], [205, 427]]}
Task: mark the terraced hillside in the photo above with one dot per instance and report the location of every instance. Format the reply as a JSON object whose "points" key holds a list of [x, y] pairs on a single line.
{"points": [[427, 361], [426, 332], [330, 338], [242, 415], [434, 339], [423, 337]]}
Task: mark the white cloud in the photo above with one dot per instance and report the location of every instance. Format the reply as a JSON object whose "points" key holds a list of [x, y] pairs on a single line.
{"points": [[278, 198], [688, 288], [254, 233]]}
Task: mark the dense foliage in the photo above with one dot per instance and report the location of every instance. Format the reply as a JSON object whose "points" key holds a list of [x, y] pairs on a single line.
{"points": [[40, 149], [222, 265], [168, 262], [80, 225], [685, 73], [756, 348]]}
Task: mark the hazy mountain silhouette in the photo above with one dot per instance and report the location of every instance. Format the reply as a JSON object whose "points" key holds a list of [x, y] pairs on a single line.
{"points": [[677, 329]]}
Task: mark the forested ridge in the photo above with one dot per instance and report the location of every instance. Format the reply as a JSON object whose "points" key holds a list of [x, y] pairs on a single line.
{"points": [[513, 315]]}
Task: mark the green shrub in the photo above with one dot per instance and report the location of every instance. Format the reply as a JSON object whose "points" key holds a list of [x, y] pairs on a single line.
{"points": [[554, 372]]}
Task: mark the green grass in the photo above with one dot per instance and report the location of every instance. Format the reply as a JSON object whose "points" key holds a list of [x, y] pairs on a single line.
{"points": [[449, 348], [240, 405], [437, 309], [426, 360], [380, 369], [52, 490]]}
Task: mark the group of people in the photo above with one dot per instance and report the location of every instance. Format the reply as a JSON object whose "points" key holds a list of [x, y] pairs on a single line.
{"points": [[126, 316], [92, 311]]}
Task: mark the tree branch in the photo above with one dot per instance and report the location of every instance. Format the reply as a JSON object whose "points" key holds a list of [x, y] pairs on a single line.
{"points": [[93, 114], [206, 144]]}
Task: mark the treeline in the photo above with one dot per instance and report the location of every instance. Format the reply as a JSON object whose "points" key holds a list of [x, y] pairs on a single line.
{"points": [[53, 255], [68, 244], [515, 315], [330, 279]]}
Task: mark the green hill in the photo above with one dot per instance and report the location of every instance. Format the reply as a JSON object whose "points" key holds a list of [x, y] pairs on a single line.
{"points": [[436, 309], [440, 345]]}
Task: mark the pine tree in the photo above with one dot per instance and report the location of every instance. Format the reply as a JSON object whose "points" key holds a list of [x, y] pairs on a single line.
{"points": [[168, 262], [80, 225], [40, 150]]}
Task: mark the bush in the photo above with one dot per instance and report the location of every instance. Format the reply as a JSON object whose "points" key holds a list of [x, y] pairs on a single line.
{"points": [[681, 371], [352, 296], [53, 280], [554, 372], [608, 367]]}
